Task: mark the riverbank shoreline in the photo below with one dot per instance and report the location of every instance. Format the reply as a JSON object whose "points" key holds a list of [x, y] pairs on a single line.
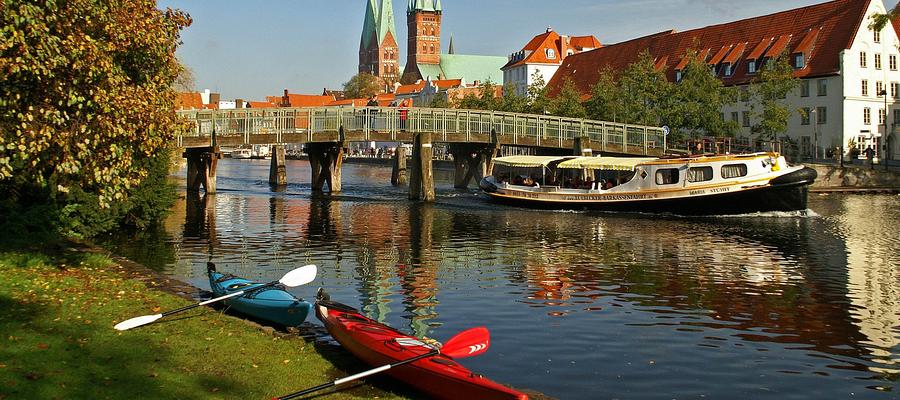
{"points": [[58, 309]]}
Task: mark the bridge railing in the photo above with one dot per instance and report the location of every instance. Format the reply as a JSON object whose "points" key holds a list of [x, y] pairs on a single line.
{"points": [[514, 128]]}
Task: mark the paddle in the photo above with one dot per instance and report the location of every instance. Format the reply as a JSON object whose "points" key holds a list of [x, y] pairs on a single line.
{"points": [[468, 343], [297, 277]]}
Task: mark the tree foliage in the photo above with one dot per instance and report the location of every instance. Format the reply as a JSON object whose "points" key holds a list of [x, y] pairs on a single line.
{"points": [[605, 103], [697, 101], [568, 102], [537, 97], [87, 100], [645, 92], [362, 86], [769, 90]]}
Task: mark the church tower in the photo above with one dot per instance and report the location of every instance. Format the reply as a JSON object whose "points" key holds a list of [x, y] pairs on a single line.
{"points": [[423, 21], [379, 53]]}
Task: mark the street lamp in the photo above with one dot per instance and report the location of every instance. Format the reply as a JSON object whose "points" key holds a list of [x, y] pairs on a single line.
{"points": [[883, 93], [815, 122]]}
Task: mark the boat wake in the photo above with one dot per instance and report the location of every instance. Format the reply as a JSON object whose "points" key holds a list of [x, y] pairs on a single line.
{"points": [[807, 213]]}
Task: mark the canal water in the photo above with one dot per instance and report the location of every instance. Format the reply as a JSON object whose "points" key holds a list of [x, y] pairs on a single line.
{"points": [[580, 305]]}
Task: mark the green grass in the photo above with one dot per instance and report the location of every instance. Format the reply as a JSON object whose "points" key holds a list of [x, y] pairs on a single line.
{"points": [[57, 341]]}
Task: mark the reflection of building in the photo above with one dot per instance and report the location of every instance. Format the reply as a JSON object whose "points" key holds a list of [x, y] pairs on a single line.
{"points": [[843, 65]]}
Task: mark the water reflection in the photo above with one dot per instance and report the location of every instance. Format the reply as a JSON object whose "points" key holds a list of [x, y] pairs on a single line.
{"points": [[794, 299]]}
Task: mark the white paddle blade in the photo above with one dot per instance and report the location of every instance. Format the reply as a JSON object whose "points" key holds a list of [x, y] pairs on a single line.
{"points": [[136, 322], [299, 276]]}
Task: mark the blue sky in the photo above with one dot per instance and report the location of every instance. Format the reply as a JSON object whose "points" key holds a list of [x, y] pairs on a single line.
{"points": [[250, 49]]}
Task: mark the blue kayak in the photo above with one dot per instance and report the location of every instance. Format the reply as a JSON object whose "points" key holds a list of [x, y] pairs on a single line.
{"points": [[272, 304]]}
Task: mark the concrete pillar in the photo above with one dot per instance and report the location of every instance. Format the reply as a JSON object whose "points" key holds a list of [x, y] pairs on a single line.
{"points": [[421, 180], [201, 168], [277, 169], [326, 160], [398, 174]]}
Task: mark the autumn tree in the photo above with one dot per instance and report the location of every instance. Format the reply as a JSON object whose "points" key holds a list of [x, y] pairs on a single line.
{"points": [[362, 86], [768, 93], [86, 103]]}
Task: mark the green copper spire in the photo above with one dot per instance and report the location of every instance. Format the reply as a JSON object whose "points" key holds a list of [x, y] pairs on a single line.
{"points": [[423, 5], [450, 51], [386, 21], [369, 27]]}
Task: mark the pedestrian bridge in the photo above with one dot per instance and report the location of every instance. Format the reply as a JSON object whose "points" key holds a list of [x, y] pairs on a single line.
{"points": [[388, 124], [472, 137]]}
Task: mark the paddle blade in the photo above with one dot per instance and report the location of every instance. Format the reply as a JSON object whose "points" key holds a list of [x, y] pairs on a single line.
{"points": [[136, 322], [299, 276], [468, 343]]}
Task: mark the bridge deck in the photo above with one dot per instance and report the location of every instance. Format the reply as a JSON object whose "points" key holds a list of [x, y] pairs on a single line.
{"points": [[311, 125]]}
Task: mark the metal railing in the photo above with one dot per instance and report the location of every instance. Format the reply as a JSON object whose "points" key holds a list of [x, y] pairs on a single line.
{"points": [[446, 125]]}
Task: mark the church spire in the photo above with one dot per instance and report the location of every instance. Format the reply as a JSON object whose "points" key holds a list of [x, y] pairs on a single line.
{"points": [[450, 50], [386, 21], [369, 26]]}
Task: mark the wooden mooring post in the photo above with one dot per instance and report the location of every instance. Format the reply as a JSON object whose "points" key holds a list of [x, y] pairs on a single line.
{"points": [[398, 173], [472, 161], [421, 180], [325, 160], [201, 168], [277, 169]]}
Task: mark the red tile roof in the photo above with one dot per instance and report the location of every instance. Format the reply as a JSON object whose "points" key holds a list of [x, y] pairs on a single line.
{"points": [[410, 89], [260, 104], [535, 51], [735, 54], [444, 84], [837, 22], [350, 102], [305, 100], [188, 101], [778, 47], [585, 42]]}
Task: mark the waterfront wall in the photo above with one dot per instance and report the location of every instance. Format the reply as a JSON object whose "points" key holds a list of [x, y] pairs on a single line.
{"points": [[832, 176]]}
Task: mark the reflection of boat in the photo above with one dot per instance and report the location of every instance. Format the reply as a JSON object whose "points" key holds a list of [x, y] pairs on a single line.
{"points": [[711, 185], [271, 304], [378, 345], [242, 154]]}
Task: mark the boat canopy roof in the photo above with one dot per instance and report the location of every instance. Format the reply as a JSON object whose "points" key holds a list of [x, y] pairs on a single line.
{"points": [[604, 163], [527, 161]]}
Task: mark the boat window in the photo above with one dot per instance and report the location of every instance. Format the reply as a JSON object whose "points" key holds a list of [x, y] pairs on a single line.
{"points": [[667, 176], [700, 174], [734, 171]]}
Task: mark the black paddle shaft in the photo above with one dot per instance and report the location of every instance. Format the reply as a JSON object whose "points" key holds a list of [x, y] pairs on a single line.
{"points": [[246, 292], [330, 384]]}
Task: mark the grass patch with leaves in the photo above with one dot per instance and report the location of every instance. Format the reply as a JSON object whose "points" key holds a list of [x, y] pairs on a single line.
{"points": [[56, 319]]}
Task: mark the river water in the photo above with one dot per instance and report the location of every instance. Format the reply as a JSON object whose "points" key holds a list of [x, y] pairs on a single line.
{"points": [[580, 305]]}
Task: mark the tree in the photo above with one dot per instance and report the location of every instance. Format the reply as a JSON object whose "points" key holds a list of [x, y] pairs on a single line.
{"points": [[645, 92], [87, 101], [538, 99], [439, 101], [511, 101], [605, 103], [185, 81], [879, 21], [769, 90], [485, 98], [568, 102], [697, 101], [362, 86]]}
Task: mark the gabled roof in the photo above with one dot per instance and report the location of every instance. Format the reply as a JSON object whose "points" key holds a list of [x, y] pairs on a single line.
{"points": [[585, 42], [535, 51], [837, 22], [444, 84], [307, 100]]}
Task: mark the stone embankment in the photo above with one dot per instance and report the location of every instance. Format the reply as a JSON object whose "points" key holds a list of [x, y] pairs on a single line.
{"points": [[855, 178]]}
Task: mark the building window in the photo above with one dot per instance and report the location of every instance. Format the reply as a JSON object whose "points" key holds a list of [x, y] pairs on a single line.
{"points": [[734, 171], [894, 89], [678, 76], [877, 61], [746, 119], [879, 87], [877, 36], [551, 54], [729, 69], [700, 174], [896, 116], [734, 116], [822, 87], [867, 116], [804, 88], [865, 87], [804, 116], [751, 66], [799, 61], [821, 115], [892, 62], [881, 116], [862, 60], [667, 176]]}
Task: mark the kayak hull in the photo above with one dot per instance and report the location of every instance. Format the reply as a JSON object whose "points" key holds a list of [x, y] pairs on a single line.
{"points": [[271, 304], [376, 344]]}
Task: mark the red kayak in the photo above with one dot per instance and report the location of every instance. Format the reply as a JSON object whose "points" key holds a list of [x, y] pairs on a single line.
{"points": [[378, 344]]}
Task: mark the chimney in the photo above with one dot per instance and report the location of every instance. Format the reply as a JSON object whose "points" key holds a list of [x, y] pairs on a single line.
{"points": [[239, 103]]}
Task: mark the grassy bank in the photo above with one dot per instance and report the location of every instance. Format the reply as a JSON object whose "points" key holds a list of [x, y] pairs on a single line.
{"points": [[57, 341]]}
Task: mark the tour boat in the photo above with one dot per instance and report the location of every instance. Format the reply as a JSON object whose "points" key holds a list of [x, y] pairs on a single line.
{"points": [[272, 304], [242, 154], [699, 185], [377, 345]]}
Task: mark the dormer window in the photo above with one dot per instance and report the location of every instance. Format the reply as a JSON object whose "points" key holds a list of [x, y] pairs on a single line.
{"points": [[551, 54], [678, 76], [728, 69], [799, 61], [751, 66]]}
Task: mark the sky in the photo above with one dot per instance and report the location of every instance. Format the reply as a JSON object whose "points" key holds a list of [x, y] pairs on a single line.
{"points": [[251, 49]]}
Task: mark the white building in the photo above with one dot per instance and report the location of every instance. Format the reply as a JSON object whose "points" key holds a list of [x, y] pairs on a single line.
{"points": [[542, 56], [841, 63]]}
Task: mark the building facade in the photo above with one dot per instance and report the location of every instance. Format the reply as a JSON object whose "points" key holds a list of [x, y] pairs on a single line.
{"points": [[841, 63], [379, 53], [541, 57]]}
